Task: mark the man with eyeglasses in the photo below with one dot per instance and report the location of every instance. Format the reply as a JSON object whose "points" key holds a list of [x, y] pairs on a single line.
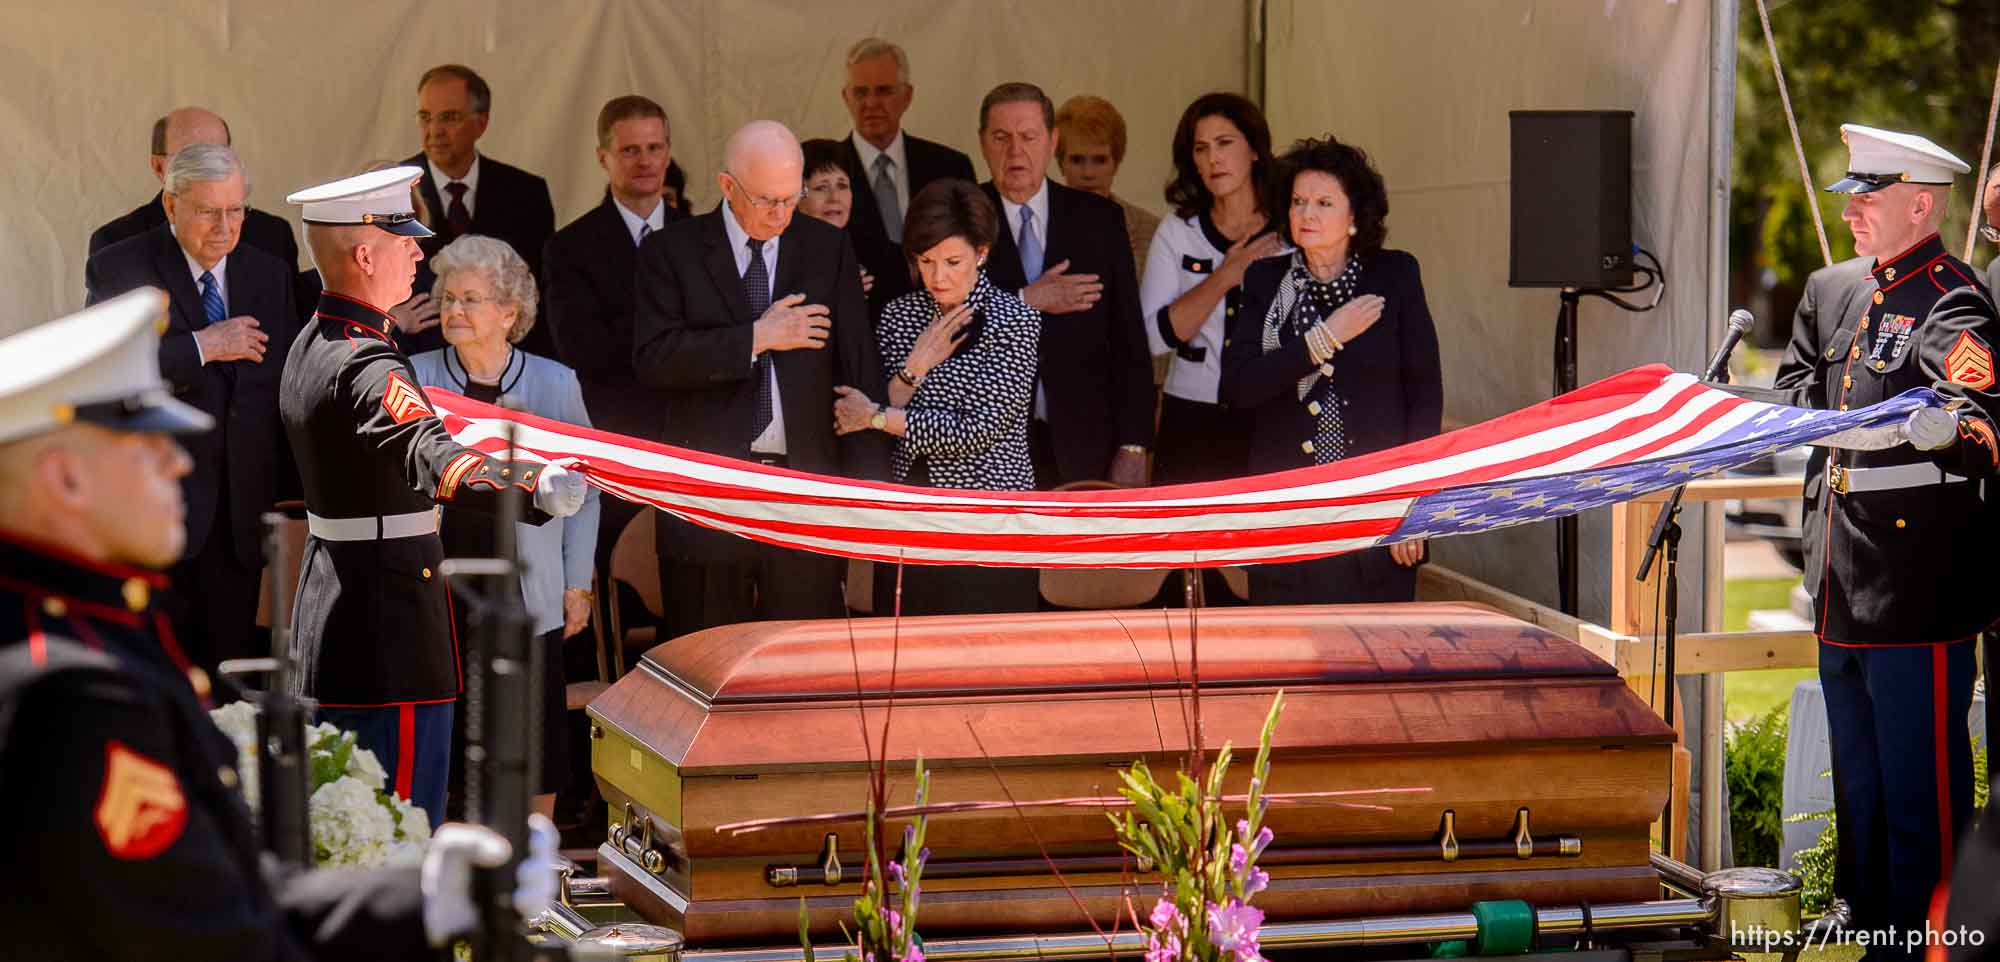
{"points": [[174, 130], [886, 164], [470, 193], [233, 317], [747, 317]]}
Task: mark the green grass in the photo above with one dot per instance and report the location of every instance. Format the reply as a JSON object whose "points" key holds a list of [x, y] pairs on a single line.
{"points": [[1747, 694]]}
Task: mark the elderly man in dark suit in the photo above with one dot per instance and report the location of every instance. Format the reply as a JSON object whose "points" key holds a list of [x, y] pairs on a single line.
{"points": [[469, 193], [748, 317], [177, 129], [587, 288], [1067, 254], [233, 318], [886, 165]]}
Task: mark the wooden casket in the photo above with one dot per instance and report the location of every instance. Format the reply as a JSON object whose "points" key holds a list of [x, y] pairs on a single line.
{"points": [[1521, 765]]}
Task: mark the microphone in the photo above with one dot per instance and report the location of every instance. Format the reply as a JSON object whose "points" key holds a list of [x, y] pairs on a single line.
{"points": [[1740, 321]]}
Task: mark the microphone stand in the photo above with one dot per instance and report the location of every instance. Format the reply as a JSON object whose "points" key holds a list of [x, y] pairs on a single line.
{"points": [[1666, 538]]}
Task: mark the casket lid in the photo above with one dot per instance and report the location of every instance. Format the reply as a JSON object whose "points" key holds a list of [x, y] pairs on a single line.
{"points": [[1111, 651]]}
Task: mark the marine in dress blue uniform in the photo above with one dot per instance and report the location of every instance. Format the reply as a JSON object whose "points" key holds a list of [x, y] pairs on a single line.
{"points": [[1898, 541], [372, 631], [120, 793]]}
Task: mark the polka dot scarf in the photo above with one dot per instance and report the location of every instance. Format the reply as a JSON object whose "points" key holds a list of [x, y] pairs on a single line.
{"points": [[1302, 302]]}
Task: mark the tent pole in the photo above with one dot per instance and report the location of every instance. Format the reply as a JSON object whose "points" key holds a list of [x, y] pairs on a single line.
{"points": [[1722, 15]]}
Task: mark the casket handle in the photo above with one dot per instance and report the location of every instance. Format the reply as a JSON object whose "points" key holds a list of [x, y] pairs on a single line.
{"points": [[829, 869], [634, 836], [1524, 843], [1447, 836]]}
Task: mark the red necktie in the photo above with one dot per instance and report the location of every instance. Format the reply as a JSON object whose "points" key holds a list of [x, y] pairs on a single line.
{"points": [[455, 215]]}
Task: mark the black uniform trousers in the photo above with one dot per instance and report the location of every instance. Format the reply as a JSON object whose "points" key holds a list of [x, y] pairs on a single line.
{"points": [[213, 600], [1897, 728]]}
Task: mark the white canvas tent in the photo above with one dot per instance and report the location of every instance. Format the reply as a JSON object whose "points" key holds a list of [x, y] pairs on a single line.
{"points": [[314, 90]]}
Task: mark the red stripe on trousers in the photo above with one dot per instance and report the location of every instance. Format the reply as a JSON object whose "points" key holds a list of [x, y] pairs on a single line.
{"points": [[1940, 707], [406, 747]]}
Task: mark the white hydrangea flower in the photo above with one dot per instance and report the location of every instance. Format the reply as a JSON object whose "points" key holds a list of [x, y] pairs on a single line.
{"points": [[362, 764], [416, 824], [238, 720], [349, 826]]}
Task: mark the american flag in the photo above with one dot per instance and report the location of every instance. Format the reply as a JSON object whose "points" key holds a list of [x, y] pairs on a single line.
{"points": [[1614, 440]]}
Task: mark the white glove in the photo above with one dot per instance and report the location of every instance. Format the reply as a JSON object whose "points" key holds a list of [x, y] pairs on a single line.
{"points": [[457, 848], [559, 492], [1931, 429], [535, 882]]}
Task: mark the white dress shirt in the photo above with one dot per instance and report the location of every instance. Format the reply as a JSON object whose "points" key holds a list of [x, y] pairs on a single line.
{"points": [[656, 220], [470, 180], [900, 173], [1040, 205], [772, 441]]}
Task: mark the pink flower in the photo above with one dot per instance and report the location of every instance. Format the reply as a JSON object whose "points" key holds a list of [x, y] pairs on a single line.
{"points": [[1233, 929], [916, 954], [1166, 916], [896, 871], [1162, 951]]}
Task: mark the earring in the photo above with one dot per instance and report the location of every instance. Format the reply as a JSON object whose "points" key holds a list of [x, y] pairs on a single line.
{"points": [[1352, 230]]}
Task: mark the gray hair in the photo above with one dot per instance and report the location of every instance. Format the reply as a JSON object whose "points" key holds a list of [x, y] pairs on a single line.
{"points": [[204, 164], [868, 48], [503, 268]]}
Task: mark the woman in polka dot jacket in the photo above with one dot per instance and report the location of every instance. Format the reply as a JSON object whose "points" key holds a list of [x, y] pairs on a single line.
{"points": [[962, 357]]}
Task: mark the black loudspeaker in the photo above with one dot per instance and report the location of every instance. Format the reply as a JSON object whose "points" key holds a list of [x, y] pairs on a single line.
{"points": [[1571, 199]]}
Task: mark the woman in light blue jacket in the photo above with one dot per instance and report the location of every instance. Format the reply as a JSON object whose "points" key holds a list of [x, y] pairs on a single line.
{"points": [[486, 298]]}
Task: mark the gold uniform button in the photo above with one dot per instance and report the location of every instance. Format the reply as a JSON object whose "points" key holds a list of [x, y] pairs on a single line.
{"points": [[1878, 297], [1880, 365], [1890, 273], [1228, 341], [1938, 269], [54, 607], [1312, 408], [1900, 523], [1306, 446], [1843, 407], [426, 574], [1231, 312], [1855, 354], [1864, 323], [227, 776], [1846, 382], [506, 471], [137, 595]]}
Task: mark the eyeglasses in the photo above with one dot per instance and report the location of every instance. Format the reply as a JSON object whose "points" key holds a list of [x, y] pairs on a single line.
{"points": [[449, 118], [767, 204], [217, 215], [470, 302]]}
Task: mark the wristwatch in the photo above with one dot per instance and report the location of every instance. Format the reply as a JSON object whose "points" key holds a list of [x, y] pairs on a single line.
{"points": [[880, 421]]}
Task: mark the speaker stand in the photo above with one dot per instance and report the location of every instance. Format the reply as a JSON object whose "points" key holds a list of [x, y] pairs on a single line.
{"points": [[1566, 527]]}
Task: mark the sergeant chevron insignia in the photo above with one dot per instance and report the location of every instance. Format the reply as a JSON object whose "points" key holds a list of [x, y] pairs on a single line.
{"points": [[140, 809], [1969, 363], [403, 401]]}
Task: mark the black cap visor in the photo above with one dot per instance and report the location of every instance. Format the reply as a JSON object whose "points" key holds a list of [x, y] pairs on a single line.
{"points": [[153, 412], [1860, 183], [405, 224]]}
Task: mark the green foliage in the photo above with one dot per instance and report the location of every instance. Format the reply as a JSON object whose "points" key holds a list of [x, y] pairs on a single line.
{"points": [[330, 756], [1754, 762], [1183, 833], [1927, 67], [885, 923]]}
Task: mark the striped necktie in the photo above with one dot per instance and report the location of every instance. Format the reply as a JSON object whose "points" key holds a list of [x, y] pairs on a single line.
{"points": [[212, 308]]}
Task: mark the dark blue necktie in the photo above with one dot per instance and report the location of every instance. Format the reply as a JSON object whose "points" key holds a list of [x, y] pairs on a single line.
{"points": [[212, 308], [757, 288]]}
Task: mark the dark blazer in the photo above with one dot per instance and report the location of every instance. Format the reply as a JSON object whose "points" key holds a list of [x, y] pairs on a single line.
{"points": [[1096, 368], [692, 337], [1993, 278], [512, 205], [1389, 375], [587, 307], [248, 443], [928, 161]]}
